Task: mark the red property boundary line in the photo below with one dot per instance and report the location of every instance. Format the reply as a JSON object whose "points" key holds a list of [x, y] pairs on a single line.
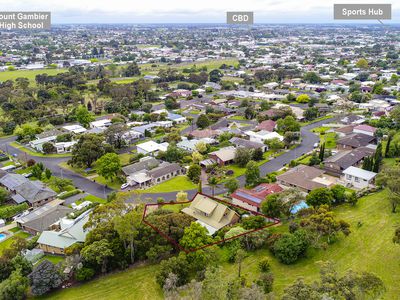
{"points": [[274, 221]]}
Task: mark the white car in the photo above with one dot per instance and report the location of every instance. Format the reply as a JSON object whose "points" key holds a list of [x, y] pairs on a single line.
{"points": [[26, 175], [124, 186]]}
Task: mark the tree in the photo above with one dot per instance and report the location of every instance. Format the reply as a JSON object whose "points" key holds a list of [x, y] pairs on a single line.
{"points": [[195, 236], [127, 227], [351, 285], [291, 246], [387, 148], [303, 98], [390, 178], [362, 63], [88, 149], [252, 173], [351, 197], [258, 154], [131, 70], [114, 135], [242, 156], [194, 173], [173, 153], [288, 124], [98, 253], [266, 281], [272, 206], [240, 256], [214, 285], [275, 144], [312, 77], [213, 182], [253, 222], [322, 223], [377, 158], [232, 184], [47, 173], [3, 195], [48, 148], [203, 121], [83, 116], [177, 265], [201, 147], [44, 277], [319, 197], [14, 287], [215, 75], [322, 152], [181, 196], [339, 193], [311, 113], [37, 170], [108, 165]]}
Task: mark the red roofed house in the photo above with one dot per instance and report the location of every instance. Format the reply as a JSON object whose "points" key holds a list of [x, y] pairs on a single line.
{"points": [[251, 199], [267, 125], [365, 129]]}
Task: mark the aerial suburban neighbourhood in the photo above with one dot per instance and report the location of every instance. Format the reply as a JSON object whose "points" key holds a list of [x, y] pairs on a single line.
{"points": [[199, 160]]}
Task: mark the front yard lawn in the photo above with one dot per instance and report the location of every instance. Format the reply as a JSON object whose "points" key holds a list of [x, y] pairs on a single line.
{"points": [[34, 153], [178, 183]]}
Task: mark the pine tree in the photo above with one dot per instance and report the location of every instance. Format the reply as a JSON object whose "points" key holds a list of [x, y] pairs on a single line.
{"points": [[388, 146], [322, 152], [377, 158]]}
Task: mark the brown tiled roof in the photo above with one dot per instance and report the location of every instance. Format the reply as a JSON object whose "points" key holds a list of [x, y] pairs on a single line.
{"points": [[302, 176]]}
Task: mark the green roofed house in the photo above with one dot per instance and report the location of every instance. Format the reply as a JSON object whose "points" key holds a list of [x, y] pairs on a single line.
{"points": [[70, 231], [210, 213]]}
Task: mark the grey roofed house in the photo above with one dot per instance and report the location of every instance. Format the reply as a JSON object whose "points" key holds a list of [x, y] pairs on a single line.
{"points": [[145, 163], [164, 169], [335, 164], [34, 191], [355, 140], [11, 180], [48, 133], [239, 142], [303, 177], [42, 218]]}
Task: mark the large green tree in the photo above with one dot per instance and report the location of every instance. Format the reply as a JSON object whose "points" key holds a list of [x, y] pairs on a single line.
{"points": [[88, 149], [108, 165]]}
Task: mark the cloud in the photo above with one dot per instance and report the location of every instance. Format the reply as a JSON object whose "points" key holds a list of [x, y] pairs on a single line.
{"points": [[175, 11]]}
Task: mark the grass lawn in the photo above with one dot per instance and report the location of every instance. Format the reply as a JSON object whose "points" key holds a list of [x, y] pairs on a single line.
{"points": [[124, 158], [134, 283], [330, 140], [30, 74], [115, 184], [368, 248], [55, 259], [390, 162], [92, 198], [34, 153], [7, 243], [178, 183], [240, 118]]}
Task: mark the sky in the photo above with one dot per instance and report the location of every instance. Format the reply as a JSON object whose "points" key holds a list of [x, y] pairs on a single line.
{"points": [[187, 11]]}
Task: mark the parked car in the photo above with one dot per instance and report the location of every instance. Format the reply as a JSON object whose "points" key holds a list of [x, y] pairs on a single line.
{"points": [[124, 186]]}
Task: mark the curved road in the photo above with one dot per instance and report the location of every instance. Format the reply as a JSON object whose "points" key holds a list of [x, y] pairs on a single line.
{"points": [[99, 190]]}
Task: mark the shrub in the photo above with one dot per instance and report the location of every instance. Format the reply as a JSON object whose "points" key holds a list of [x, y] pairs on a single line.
{"points": [[7, 212], [264, 266], [84, 274]]}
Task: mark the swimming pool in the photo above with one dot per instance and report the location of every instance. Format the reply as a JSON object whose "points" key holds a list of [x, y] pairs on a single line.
{"points": [[2, 237]]}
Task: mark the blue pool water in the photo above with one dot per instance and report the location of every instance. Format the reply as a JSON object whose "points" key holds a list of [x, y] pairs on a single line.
{"points": [[2, 237], [299, 206]]}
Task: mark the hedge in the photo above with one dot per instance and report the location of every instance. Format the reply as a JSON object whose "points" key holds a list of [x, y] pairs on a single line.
{"points": [[68, 194], [7, 212]]}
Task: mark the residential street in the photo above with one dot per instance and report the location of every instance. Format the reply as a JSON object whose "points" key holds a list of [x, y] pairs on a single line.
{"points": [[94, 188]]}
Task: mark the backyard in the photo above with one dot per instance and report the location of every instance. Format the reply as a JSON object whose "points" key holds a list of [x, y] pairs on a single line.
{"points": [[368, 248]]}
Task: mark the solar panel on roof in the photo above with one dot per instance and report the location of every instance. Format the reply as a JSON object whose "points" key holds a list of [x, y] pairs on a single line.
{"points": [[248, 197]]}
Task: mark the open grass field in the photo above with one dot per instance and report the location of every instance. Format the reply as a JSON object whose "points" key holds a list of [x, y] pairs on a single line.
{"points": [[30, 74], [368, 248], [178, 183]]}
